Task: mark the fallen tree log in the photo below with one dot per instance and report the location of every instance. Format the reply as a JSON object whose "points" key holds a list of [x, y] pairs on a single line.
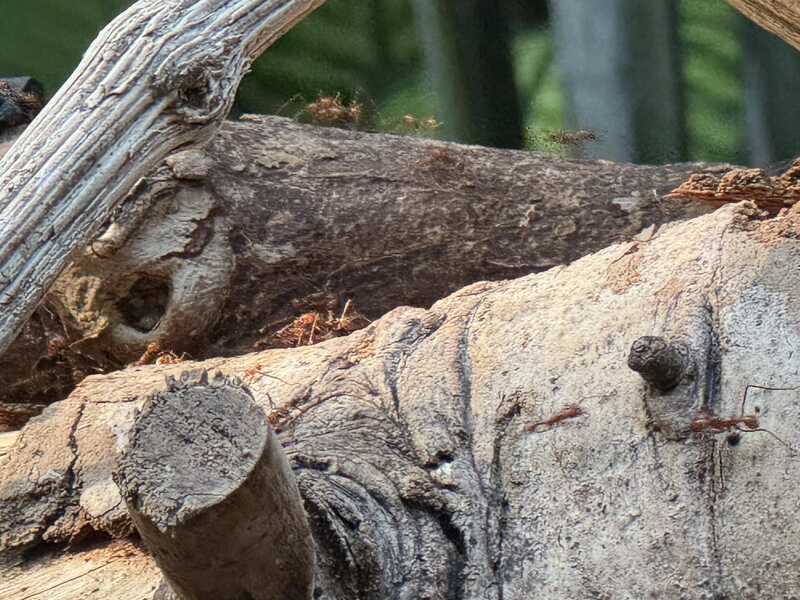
{"points": [[218, 251], [498, 445]]}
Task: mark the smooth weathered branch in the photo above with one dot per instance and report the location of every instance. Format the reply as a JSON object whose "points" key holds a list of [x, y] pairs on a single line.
{"points": [[209, 489], [161, 76]]}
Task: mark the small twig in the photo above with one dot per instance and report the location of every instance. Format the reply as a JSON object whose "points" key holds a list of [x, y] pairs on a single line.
{"points": [[568, 412], [313, 328], [763, 387], [788, 445], [344, 313]]}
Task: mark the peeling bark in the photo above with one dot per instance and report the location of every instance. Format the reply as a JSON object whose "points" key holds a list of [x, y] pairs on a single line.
{"points": [[412, 445]]}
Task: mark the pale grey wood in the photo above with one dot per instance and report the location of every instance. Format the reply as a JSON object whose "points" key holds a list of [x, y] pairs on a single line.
{"points": [[781, 17], [120, 570], [414, 447], [210, 491], [161, 76]]}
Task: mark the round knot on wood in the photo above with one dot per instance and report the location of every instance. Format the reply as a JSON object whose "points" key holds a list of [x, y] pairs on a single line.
{"points": [[659, 362]]}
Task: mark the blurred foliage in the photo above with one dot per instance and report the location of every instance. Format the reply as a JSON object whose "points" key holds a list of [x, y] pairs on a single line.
{"points": [[46, 38], [537, 79], [713, 86], [468, 58], [365, 50], [368, 51]]}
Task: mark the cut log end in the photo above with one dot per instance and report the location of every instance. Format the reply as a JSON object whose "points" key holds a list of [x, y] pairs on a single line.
{"points": [[211, 493], [191, 448]]}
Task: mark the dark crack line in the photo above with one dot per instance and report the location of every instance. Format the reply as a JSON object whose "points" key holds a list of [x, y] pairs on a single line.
{"points": [[496, 479], [713, 390], [713, 496], [393, 367], [713, 370], [70, 478], [465, 387]]}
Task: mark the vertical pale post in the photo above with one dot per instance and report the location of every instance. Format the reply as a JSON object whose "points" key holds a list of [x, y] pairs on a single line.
{"points": [[621, 71]]}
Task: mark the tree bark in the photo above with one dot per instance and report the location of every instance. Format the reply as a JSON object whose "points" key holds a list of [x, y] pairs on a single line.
{"points": [[217, 251], [211, 493], [498, 445], [160, 77]]}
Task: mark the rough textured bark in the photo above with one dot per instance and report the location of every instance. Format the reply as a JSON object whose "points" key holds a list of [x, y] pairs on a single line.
{"points": [[161, 76], [497, 445], [218, 250], [21, 99], [211, 493]]}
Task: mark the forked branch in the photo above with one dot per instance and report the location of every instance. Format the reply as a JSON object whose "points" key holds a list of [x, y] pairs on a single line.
{"points": [[161, 76]]}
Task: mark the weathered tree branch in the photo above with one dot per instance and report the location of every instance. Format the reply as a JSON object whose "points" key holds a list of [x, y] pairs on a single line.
{"points": [[210, 491], [161, 76]]}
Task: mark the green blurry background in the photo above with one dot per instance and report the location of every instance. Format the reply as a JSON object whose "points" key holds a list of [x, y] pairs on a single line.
{"points": [[656, 80]]}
